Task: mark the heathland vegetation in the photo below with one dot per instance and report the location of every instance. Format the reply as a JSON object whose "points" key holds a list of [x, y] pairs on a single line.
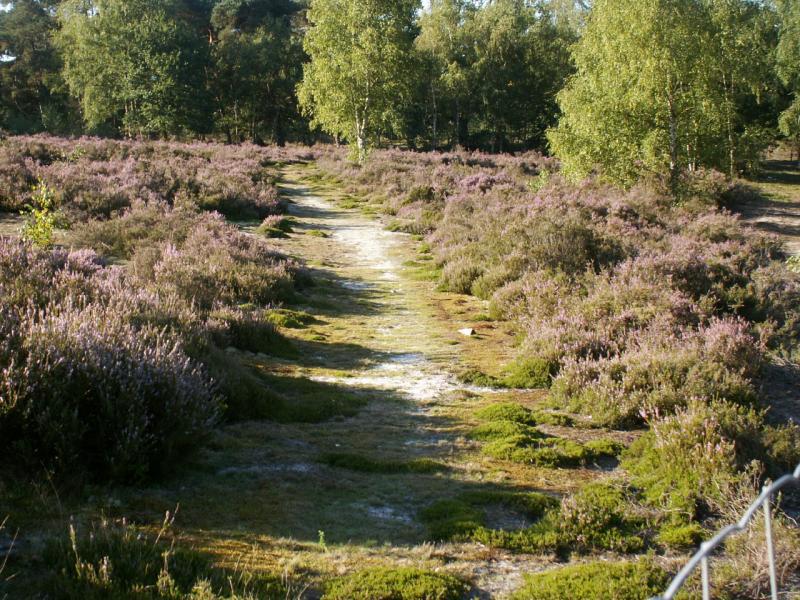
{"points": [[377, 372]]}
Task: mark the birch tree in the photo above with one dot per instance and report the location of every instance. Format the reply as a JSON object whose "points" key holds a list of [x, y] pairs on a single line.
{"points": [[359, 76]]}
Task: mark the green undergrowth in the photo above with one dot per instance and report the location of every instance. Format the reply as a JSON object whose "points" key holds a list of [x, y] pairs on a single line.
{"points": [[509, 433], [405, 583], [523, 373], [123, 562], [290, 319], [596, 581], [364, 464], [318, 233], [597, 517]]}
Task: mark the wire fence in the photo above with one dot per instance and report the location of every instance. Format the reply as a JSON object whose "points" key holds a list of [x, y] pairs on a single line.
{"points": [[703, 555]]}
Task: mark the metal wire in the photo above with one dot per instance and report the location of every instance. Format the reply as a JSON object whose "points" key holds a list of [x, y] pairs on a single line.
{"points": [[701, 557]]}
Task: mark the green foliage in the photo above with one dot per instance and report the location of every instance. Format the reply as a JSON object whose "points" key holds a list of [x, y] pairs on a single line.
{"points": [[256, 61], [464, 517], [365, 464], [530, 372], [290, 319], [662, 86], [360, 68], [134, 65], [403, 583], [680, 536], [689, 463], [40, 218], [788, 67], [507, 411], [469, 53], [32, 95], [596, 581], [510, 434], [122, 562], [597, 516]]}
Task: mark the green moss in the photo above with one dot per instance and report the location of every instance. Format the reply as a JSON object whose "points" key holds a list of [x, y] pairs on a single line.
{"points": [[478, 378], [680, 536], [553, 418], [507, 411], [307, 401], [357, 462], [596, 581], [506, 430], [529, 373], [386, 583], [290, 319], [603, 448], [522, 443], [317, 233], [464, 517]]}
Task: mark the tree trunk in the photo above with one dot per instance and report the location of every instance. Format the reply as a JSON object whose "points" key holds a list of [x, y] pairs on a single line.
{"points": [[673, 144]]}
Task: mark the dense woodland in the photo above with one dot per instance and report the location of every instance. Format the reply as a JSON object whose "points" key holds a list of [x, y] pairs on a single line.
{"points": [[395, 301]]}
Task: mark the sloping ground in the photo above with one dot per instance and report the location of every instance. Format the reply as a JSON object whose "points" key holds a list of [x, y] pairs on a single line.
{"points": [[779, 211]]}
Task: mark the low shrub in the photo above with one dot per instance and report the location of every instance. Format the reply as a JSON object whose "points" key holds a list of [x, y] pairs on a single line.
{"points": [[88, 392], [689, 463], [507, 411], [275, 226], [528, 373], [401, 583], [596, 581], [597, 516]]}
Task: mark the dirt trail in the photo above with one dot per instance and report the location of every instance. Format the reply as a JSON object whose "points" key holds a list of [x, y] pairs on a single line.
{"points": [[781, 217], [368, 260], [263, 492]]}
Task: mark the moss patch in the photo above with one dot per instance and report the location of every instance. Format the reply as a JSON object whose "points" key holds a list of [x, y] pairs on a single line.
{"points": [[596, 581], [383, 583]]}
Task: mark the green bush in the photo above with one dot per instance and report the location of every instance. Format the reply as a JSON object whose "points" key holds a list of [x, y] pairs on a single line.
{"points": [[522, 443], [596, 581], [688, 462], [529, 373], [405, 583], [290, 319], [597, 516]]}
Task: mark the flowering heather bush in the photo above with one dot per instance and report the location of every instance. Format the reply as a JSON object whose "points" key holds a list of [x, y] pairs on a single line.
{"points": [[217, 264], [631, 301], [98, 178], [83, 384]]}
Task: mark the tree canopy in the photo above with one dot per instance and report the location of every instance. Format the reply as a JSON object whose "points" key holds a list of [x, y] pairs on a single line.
{"points": [[360, 69]]}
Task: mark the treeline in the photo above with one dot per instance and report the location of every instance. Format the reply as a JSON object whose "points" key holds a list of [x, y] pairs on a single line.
{"points": [[668, 85], [484, 76]]}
